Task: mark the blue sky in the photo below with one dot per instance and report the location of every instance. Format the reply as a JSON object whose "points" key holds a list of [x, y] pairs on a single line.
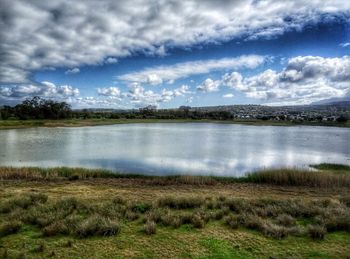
{"points": [[286, 54]]}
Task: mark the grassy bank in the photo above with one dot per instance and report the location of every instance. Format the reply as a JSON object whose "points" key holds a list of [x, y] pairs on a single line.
{"points": [[329, 176], [80, 213], [16, 124]]}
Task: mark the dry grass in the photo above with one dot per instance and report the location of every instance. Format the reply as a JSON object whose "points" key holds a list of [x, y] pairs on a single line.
{"points": [[295, 177], [280, 177]]}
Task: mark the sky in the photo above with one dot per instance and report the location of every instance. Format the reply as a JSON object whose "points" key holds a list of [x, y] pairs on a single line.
{"points": [[130, 54]]}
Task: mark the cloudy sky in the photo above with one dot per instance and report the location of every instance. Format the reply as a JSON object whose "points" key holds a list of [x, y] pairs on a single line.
{"points": [[127, 54]]}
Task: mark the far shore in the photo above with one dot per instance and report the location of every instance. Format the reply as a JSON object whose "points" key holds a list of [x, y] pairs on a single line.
{"points": [[17, 124]]}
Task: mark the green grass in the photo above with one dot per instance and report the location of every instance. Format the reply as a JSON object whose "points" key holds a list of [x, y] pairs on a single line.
{"points": [[92, 213], [15, 124], [94, 235]]}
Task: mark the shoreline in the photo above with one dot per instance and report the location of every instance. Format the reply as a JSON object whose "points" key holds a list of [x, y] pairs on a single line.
{"points": [[19, 124], [320, 175]]}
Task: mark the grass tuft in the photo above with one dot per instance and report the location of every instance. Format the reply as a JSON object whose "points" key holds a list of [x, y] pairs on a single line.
{"points": [[150, 228], [317, 231]]}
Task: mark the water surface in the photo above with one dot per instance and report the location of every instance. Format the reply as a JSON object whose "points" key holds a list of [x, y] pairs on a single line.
{"points": [[175, 148]]}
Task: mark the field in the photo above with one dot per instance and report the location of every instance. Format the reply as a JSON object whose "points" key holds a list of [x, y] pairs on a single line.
{"points": [[79, 213], [17, 124]]}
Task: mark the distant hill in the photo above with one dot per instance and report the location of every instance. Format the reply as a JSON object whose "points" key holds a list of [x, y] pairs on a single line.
{"points": [[344, 102]]}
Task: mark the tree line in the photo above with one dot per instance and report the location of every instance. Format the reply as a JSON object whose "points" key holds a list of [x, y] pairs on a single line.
{"points": [[37, 108]]}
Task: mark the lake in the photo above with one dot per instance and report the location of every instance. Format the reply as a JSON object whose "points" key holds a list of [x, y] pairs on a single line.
{"points": [[176, 148]]}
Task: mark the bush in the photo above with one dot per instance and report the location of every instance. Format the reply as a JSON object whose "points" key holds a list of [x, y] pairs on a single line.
{"points": [[150, 228], [169, 219], [11, 227], [275, 231], [251, 221], [97, 226], [131, 216], [232, 221], [40, 248], [38, 197], [108, 227], [55, 228], [181, 202], [141, 207], [285, 220], [154, 215], [317, 231], [197, 221]]}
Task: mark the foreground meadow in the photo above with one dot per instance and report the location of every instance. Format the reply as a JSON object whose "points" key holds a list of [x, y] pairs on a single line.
{"points": [[78, 213]]}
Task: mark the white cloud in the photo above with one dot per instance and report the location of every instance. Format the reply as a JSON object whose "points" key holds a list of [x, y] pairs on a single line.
{"points": [[305, 79], [153, 79], [45, 89], [109, 91], [209, 85], [228, 96], [156, 75], [39, 34], [234, 80], [72, 71], [138, 95], [111, 60], [345, 44]]}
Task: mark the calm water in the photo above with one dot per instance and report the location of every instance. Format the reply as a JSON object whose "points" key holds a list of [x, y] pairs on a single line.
{"points": [[215, 149]]}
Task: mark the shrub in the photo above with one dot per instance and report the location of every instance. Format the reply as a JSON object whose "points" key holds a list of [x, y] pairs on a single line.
{"points": [[181, 202], [97, 226], [169, 219], [130, 215], [108, 227], [217, 215], [317, 231], [251, 221], [141, 207], [232, 221], [40, 248], [197, 221], [154, 215], [285, 220], [345, 200], [38, 197], [55, 228], [67, 204], [11, 227], [69, 243], [295, 231], [337, 222], [150, 228], [275, 231], [119, 200]]}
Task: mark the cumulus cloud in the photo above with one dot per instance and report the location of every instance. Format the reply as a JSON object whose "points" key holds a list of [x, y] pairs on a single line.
{"points": [[209, 85], [345, 44], [156, 75], [111, 60], [39, 34], [228, 96], [304, 80], [45, 89], [138, 95], [109, 91], [72, 71]]}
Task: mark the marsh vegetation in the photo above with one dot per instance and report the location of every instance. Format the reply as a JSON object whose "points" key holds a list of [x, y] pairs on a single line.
{"points": [[65, 212]]}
